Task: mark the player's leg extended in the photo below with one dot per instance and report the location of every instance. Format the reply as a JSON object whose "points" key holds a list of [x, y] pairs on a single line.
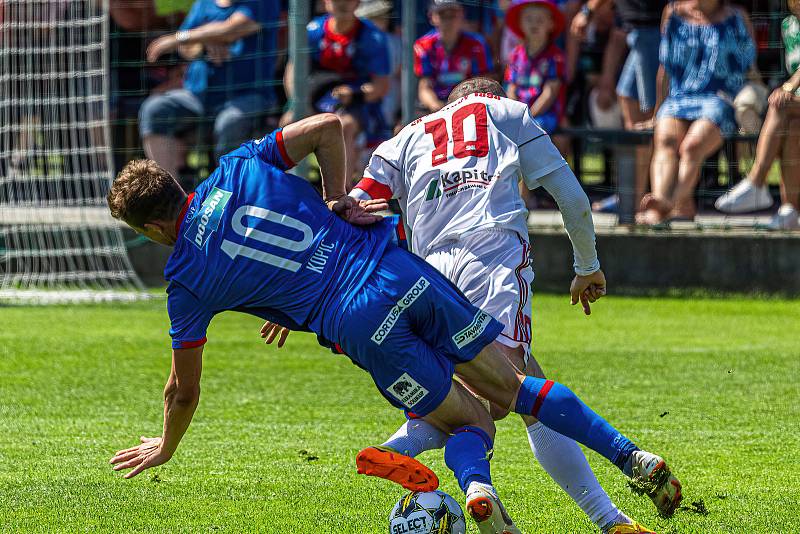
{"points": [[495, 378], [492, 269], [564, 461], [467, 453], [468, 450]]}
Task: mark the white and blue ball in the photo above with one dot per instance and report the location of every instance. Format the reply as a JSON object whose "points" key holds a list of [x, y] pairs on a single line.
{"points": [[433, 512]]}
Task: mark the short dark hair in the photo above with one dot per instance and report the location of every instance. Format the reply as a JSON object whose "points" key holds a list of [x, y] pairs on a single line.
{"points": [[144, 192], [476, 85]]}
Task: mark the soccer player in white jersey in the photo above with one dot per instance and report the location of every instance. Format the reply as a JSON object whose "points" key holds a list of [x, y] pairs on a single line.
{"points": [[455, 174]]}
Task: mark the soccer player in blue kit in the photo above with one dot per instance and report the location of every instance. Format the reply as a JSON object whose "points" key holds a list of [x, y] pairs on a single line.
{"points": [[255, 239]]}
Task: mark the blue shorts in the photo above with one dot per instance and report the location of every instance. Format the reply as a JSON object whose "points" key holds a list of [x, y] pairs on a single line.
{"points": [[408, 327], [638, 78], [695, 107]]}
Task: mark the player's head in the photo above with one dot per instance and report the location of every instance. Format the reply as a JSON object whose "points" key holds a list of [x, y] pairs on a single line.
{"points": [[476, 85], [794, 7], [447, 16], [535, 20], [148, 199], [341, 8]]}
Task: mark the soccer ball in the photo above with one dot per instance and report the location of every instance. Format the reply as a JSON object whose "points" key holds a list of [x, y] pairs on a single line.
{"points": [[433, 512]]}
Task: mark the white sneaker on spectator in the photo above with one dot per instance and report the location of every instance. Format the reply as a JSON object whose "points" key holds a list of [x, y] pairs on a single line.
{"points": [[785, 219], [744, 197]]}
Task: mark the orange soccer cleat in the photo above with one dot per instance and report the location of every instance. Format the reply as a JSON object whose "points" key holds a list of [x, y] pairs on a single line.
{"points": [[386, 463]]}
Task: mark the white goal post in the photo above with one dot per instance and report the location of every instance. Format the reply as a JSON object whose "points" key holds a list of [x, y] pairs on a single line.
{"points": [[57, 241]]}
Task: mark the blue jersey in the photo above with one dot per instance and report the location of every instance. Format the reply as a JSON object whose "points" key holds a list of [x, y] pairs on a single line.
{"points": [[255, 239], [356, 56], [251, 65]]}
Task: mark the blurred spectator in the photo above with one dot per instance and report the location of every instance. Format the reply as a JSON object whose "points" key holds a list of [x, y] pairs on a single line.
{"points": [[350, 66], [507, 40], [706, 50], [780, 136], [448, 55], [481, 16], [130, 23], [229, 78], [638, 36], [585, 59], [590, 46], [536, 68], [379, 12]]}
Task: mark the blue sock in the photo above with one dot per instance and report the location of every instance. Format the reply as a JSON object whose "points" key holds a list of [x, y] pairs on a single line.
{"points": [[467, 454], [558, 408]]}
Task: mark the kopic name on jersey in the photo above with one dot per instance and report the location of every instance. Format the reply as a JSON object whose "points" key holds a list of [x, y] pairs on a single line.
{"points": [[453, 182]]}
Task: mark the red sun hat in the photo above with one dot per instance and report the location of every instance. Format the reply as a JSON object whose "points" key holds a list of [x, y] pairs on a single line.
{"points": [[514, 11]]}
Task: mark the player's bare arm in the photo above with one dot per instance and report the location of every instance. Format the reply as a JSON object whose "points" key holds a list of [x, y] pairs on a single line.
{"points": [[181, 396], [235, 27], [322, 135]]}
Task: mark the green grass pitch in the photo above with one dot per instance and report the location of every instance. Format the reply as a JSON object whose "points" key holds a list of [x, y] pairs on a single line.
{"points": [[712, 384]]}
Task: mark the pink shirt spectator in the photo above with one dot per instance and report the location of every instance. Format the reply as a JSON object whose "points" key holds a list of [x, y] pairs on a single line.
{"points": [[529, 75], [468, 59]]}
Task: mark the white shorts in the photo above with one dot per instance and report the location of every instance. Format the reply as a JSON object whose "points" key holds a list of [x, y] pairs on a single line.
{"points": [[493, 269]]}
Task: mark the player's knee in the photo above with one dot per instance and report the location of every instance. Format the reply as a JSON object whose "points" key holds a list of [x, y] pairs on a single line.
{"points": [[484, 421], [508, 392], [497, 412]]}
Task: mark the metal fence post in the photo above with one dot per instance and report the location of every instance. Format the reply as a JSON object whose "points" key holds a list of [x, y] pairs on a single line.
{"points": [[300, 58], [408, 78]]}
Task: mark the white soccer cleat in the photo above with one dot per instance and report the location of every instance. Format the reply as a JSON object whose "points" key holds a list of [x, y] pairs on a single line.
{"points": [[744, 197], [484, 506], [785, 219], [652, 476]]}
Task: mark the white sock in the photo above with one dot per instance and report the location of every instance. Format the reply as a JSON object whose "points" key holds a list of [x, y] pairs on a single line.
{"points": [[564, 461], [416, 436], [474, 486]]}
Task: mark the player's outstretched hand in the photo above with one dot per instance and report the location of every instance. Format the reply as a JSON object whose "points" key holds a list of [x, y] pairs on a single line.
{"points": [[272, 330], [587, 289], [140, 457], [358, 212]]}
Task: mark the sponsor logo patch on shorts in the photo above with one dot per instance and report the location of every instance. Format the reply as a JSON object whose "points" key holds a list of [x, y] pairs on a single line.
{"points": [[394, 314], [473, 331], [407, 390]]}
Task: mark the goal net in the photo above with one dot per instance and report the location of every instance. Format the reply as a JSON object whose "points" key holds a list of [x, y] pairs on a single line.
{"points": [[57, 241]]}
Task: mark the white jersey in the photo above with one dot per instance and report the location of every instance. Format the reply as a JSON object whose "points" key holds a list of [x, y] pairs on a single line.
{"points": [[457, 171]]}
